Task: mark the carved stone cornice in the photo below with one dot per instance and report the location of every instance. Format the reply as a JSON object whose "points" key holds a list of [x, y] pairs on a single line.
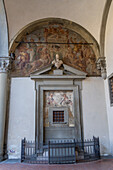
{"points": [[4, 64], [101, 65]]}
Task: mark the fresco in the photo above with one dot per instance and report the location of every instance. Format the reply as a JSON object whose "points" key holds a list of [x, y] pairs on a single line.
{"points": [[58, 99], [32, 56]]}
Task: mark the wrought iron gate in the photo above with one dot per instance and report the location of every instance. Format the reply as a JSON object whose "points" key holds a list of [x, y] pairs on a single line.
{"points": [[61, 151]]}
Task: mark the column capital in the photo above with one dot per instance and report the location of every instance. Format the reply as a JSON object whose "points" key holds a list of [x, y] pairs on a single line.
{"points": [[4, 63], [101, 65]]}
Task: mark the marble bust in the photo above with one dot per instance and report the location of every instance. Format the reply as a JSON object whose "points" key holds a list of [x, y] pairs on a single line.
{"points": [[57, 62]]}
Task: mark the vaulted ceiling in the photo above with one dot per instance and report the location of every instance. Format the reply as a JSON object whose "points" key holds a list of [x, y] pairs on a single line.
{"points": [[87, 13]]}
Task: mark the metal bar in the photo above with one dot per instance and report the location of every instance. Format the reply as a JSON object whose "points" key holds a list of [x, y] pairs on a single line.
{"points": [[74, 150], [98, 149], [29, 42], [49, 152], [23, 150]]}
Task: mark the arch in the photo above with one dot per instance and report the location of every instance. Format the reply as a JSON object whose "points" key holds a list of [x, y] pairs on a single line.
{"points": [[68, 24], [3, 31], [103, 27]]}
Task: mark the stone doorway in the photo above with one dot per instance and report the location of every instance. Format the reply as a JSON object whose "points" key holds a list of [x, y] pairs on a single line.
{"points": [[61, 89]]}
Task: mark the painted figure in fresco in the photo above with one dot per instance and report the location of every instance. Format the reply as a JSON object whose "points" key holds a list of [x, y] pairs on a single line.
{"points": [[57, 62], [69, 55], [23, 59], [50, 100], [65, 100], [44, 59]]}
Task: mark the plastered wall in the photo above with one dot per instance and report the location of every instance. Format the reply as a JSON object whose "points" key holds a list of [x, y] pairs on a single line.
{"points": [[94, 112], [22, 118], [85, 13], [21, 115]]}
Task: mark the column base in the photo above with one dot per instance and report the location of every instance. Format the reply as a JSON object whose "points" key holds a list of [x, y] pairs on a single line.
{"points": [[1, 158]]}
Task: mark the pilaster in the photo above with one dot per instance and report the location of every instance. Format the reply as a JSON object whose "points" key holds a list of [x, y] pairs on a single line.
{"points": [[4, 63]]}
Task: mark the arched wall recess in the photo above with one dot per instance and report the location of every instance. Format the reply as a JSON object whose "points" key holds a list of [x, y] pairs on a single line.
{"points": [[65, 24], [68, 24]]}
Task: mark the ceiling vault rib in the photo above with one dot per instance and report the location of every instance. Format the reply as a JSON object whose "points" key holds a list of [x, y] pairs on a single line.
{"points": [[103, 27]]}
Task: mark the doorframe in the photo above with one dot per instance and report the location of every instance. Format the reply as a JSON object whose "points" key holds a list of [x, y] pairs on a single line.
{"points": [[40, 106]]}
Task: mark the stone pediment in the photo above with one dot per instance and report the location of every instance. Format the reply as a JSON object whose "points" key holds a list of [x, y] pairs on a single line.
{"points": [[65, 72]]}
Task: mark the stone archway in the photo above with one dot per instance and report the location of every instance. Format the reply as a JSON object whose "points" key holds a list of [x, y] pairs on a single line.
{"points": [[68, 24], [31, 56]]}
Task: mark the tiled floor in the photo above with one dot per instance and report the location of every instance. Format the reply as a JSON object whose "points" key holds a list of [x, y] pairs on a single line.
{"points": [[104, 164]]}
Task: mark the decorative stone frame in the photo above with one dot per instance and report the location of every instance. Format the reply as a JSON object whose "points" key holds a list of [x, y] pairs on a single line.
{"points": [[66, 113], [40, 108], [47, 82]]}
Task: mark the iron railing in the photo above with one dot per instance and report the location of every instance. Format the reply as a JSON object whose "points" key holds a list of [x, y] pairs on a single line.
{"points": [[29, 155], [87, 150], [65, 151], [62, 152]]}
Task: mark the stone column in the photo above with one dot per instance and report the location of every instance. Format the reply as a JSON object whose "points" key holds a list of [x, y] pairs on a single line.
{"points": [[4, 62]]}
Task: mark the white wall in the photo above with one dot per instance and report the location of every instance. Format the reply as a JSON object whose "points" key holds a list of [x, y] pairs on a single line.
{"points": [[21, 114], [86, 13], [109, 62], [94, 112]]}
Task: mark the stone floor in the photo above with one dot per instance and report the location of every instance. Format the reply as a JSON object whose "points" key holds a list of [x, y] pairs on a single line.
{"points": [[103, 164]]}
